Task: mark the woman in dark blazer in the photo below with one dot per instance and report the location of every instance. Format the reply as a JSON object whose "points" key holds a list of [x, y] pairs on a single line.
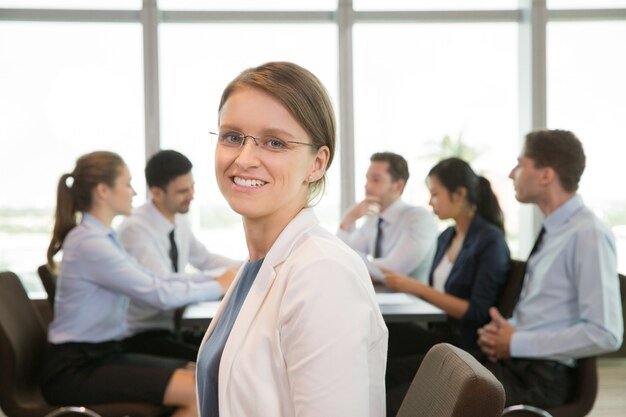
{"points": [[467, 276], [472, 258]]}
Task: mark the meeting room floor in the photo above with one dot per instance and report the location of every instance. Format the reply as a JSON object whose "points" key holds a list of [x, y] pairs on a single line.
{"points": [[611, 401]]}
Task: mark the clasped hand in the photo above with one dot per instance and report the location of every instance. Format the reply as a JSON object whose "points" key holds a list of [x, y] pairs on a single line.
{"points": [[494, 338]]}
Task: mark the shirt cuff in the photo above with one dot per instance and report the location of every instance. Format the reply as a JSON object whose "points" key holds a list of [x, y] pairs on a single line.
{"points": [[522, 345]]}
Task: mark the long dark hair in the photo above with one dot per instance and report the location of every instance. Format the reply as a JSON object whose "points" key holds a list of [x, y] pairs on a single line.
{"points": [[74, 193], [454, 173]]}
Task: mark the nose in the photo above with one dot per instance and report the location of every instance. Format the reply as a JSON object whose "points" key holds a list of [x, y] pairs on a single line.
{"points": [[512, 173], [248, 154]]}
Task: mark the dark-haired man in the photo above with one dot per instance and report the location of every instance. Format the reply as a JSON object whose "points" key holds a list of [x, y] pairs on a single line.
{"points": [[395, 235], [159, 236], [569, 305]]}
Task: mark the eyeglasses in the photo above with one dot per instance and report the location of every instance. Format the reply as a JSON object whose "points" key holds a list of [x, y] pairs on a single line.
{"points": [[267, 143]]}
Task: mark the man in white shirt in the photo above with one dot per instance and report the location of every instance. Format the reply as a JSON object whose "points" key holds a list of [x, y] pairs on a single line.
{"points": [[159, 236], [395, 235], [569, 305]]}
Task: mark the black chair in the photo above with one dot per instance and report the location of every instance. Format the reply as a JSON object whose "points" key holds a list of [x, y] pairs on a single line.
{"points": [[49, 281], [22, 343], [586, 372], [621, 352], [510, 293]]}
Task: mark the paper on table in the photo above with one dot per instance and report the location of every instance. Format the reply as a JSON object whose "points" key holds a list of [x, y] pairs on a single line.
{"points": [[394, 298]]}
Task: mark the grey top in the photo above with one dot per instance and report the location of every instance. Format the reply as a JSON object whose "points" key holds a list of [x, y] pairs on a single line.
{"points": [[209, 358]]}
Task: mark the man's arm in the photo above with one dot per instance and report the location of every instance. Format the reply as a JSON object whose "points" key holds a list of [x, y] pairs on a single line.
{"points": [[357, 239]]}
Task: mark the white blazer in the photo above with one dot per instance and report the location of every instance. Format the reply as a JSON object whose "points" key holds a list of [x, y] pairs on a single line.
{"points": [[310, 340]]}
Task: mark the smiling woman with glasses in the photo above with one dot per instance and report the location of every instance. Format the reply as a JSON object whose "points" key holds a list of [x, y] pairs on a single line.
{"points": [[299, 332]]}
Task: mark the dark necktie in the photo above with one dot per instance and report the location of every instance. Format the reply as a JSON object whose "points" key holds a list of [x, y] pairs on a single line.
{"points": [[173, 252], [378, 251], [523, 276]]}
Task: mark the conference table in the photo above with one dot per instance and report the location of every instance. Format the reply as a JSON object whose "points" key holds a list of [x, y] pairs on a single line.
{"points": [[395, 307]]}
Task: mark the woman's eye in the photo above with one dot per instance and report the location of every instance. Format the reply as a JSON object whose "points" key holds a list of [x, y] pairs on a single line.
{"points": [[231, 138], [273, 143]]}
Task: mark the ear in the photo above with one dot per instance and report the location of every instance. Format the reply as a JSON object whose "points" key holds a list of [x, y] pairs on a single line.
{"points": [[157, 193], [548, 176], [101, 191], [320, 162], [398, 186], [460, 194]]}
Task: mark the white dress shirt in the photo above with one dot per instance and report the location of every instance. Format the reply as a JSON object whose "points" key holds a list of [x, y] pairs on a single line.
{"points": [[145, 236], [98, 278], [570, 303], [409, 239]]}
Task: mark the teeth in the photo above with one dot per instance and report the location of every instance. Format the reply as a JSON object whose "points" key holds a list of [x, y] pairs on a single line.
{"points": [[248, 183]]}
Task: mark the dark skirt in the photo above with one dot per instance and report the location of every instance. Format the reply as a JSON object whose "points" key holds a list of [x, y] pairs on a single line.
{"points": [[100, 373]]}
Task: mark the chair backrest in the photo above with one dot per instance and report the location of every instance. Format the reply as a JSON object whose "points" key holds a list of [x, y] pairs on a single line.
{"points": [[49, 281], [621, 352], [510, 293], [586, 391], [22, 344], [452, 383]]}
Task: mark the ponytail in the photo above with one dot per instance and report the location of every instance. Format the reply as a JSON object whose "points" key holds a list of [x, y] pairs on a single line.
{"points": [[64, 217], [487, 204]]}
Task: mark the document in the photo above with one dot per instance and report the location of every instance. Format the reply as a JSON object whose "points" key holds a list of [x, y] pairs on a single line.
{"points": [[394, 298]]}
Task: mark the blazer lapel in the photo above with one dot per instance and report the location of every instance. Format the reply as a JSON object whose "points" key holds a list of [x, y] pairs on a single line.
{"points": [[262, 284]]}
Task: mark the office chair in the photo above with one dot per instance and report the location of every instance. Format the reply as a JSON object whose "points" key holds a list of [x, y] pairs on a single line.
{"points": [[22, 343], [452, 383], [586, 373], [582, 403], [621, 352], [511, 290], [49, 281]]}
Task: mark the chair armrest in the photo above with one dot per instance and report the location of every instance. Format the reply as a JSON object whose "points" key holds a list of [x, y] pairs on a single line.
{"points": [[523, 410], [72, 411]]}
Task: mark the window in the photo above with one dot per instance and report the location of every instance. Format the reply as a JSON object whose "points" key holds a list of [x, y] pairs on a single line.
{"points": [[587, 95], [196, 65], [65, 89], [453, 85]]}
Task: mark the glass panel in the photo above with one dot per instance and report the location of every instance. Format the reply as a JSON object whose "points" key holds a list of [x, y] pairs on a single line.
{"points": [[196, 65], [435, 4], [587, 95], [426, 91], [247, 5], [585, 4], [73, 4], [65, 89]]}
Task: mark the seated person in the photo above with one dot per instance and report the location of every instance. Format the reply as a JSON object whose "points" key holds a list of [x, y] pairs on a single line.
{"points": [[397, 236], [569, 306], [84, 362], [467, 275], [160, 238]]}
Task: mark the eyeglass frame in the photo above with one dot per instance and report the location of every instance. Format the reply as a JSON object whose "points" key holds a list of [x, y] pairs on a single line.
{"points": [[256, 140]]}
